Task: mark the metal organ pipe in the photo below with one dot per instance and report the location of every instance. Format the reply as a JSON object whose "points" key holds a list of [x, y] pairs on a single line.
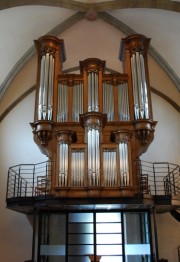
{"points": [[77, 168], [93, 156], [77, 101], [50, 90], [93, 91], [144, 87], [123, 102], [139, 86], [41, 86], [109, 163], [135, 87], [63, 164], [124, 164], [108, 101], [46, 87], [62, 112]]}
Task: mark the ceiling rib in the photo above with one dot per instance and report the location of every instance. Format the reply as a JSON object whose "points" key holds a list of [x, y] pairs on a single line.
{"points": [[32, 51], [72, 20], [98, 7], [153, 52]]}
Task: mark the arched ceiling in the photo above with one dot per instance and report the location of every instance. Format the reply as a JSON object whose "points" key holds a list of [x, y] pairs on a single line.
{"points": [[22, 21]]}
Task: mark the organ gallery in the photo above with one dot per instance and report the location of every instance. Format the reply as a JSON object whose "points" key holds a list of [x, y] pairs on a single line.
{"points": [[93, 124]]}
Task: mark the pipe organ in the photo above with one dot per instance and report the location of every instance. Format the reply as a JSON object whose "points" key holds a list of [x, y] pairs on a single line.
{"points": [[93, 125]]}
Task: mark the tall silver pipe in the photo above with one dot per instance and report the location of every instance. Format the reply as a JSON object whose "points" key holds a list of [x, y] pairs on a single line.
{"points": [[77, 101], [81, 168], [97, 155], [73, 166], [82, 95], [120, 102], [139, 86], [66, 164], [123, 102], [109, 168], [108, 101], [121, 164], [127, 164], [45, 89], [89, 93], [41, 86], [114, 169], [105, 167], [63, 164], [50, 89], [89, 155], [103, 97], [93, 92], [124, 164], [127, 103], [144, 87], [96, 92], [135, 86], [93, 156], [62, 114], [74, 108]]}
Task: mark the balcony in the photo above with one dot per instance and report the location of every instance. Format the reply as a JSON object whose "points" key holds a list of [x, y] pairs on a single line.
{"points": [[31, 186]]}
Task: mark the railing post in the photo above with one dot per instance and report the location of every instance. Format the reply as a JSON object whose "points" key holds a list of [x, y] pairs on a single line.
{"points": [[18, 180], [174, 183], [14, 186], [7, 188], [33, 181], [169, 180], [25, 189], [20, 186], [154, 173]]}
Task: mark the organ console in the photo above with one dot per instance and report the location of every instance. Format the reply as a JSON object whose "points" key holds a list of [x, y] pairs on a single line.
{"points": [[95, 124]]}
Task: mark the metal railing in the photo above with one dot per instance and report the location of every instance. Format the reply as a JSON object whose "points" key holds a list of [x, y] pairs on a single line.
{"points": [[162, 178], [29, 180]]}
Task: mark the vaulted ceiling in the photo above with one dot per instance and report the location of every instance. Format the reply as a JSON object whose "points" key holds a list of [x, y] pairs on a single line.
{"points": [[22, 21]]}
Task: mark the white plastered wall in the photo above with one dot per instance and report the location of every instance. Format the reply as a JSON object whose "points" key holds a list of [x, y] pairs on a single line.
{"points": [[102, 41]]}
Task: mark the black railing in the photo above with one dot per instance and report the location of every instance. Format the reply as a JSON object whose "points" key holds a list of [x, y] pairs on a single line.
{"points": [[29, 180], [158, 178]]}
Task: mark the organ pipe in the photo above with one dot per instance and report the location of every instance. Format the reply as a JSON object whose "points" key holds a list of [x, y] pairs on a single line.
{"points": [[77, 101], [63, 164], [141, 107], [109, 165], [108, 101], [77, 168], [93, 156], [123, 102], [124, 164], [45, 105], [93, 92], [62, 111]]}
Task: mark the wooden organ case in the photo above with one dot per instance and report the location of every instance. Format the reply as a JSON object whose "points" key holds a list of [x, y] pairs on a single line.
{"points": [[94, 125]]}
